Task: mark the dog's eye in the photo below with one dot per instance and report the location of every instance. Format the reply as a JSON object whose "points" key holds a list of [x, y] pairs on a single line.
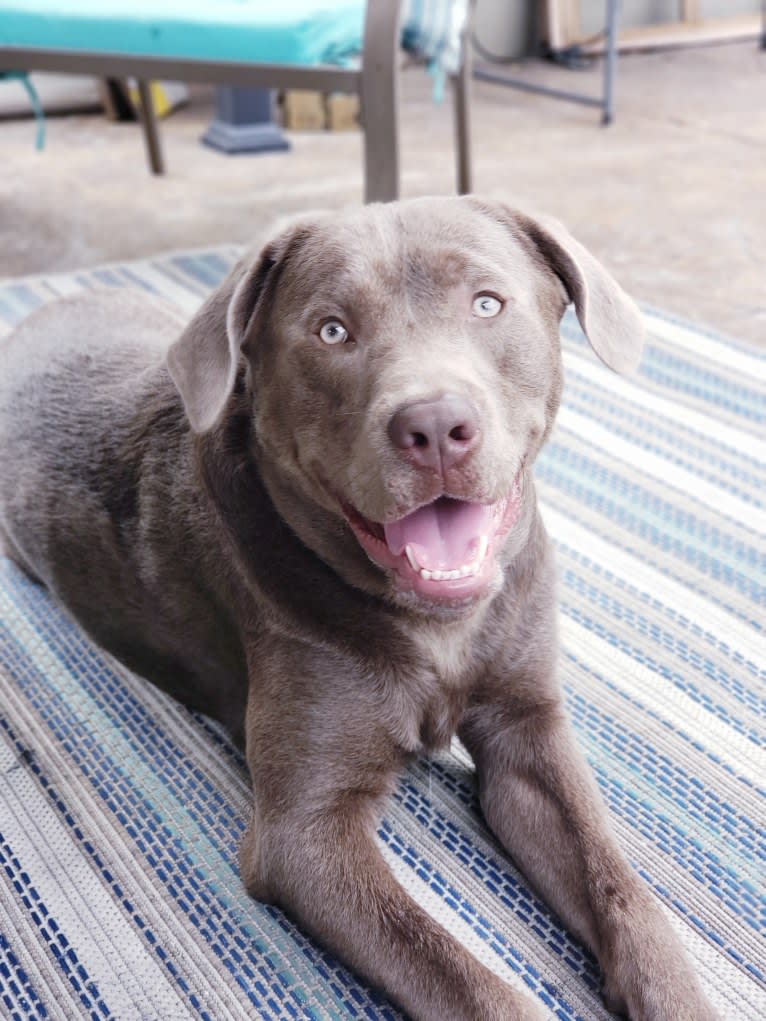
{"points": [[486, 305], [333, 332]]}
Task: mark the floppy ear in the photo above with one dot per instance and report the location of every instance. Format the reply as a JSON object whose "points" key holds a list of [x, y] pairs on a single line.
{"points": [[610, 319], [203, 361]]}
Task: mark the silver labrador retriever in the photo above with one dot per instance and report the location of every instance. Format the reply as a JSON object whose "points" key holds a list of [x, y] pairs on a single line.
{"points": [[312, 515]]}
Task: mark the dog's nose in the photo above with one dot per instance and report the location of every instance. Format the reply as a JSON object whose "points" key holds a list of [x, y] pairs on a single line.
{"points": [[435, 434]]}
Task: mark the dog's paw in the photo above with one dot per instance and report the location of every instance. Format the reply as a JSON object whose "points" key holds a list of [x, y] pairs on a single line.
{"points": [[251, 865], [648, 975], [671, 996], [613, 1001]]}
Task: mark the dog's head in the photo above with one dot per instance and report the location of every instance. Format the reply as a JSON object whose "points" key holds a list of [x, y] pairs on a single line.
{"points": [[405, 369]]}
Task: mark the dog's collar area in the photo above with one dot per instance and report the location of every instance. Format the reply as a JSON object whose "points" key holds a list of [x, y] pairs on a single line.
{"points": [[444, 550]]}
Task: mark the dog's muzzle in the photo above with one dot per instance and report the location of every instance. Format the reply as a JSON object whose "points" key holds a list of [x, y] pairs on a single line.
{"points": [[444, 551]]}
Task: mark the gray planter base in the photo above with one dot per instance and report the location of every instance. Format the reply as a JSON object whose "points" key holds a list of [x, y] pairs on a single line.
{"points": [[244, 122], [234, 138]]}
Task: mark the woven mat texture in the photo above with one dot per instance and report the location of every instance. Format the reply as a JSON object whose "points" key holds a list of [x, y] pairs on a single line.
{"points": [[121, 812]]}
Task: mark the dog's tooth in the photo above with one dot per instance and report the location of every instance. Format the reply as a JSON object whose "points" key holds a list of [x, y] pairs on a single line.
{"points": [[437, 575], [483, 547], [425, 574], [411, 557]]}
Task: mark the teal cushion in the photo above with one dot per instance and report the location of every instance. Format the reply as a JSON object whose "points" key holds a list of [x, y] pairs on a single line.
{"points": [[262, 31]]}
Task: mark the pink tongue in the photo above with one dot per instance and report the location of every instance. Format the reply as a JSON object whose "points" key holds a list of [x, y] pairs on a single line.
{"points": [[444, 534]]}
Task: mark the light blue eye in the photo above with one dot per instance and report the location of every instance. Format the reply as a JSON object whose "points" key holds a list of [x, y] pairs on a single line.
{"points": [[486, 306], [333, 332]]}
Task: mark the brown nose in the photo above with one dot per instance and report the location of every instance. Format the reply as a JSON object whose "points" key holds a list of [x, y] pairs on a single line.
{"points": [[435, 434]]}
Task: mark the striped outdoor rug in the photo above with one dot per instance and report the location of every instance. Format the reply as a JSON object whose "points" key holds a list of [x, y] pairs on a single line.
{"points": [[120, 812]]}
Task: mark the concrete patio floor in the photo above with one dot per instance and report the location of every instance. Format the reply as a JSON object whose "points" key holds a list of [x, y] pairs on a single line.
{"points": [[672, 196]]}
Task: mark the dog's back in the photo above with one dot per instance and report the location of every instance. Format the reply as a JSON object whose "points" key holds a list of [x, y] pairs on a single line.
{"points": [[70, 395], [94, 456]]}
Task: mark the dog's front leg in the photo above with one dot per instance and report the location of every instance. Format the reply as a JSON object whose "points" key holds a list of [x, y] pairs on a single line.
{"points": [[322, 762], [540, 798]]}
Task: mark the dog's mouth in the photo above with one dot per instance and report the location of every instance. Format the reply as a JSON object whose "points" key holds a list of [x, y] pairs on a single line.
{"points": [[445, 550]]}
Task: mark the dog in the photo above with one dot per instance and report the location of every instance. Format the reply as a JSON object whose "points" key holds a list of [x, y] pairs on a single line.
{"points": [[310, 513]]}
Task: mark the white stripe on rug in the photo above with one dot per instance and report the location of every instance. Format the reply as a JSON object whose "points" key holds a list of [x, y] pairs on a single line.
{"points": [[639, 575], [730, 357], [638, 393], [743, 756], [719, 498]]}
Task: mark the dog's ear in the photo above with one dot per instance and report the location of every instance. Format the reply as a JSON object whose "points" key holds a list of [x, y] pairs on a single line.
{"points": [[610, 319], [203, 361]]}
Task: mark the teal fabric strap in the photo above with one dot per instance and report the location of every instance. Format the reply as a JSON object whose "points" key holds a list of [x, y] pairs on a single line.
{"points": [[34, 99], [433, 29]]}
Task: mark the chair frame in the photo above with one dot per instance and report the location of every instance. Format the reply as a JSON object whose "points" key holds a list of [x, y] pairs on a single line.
{"points": [[376, 82]]}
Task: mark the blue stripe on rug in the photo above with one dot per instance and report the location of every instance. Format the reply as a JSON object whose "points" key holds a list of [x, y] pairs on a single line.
{"points": [[633, 703], [675, 676], [53, 939], [681, 450], [641, 510], [735, 836], [672, 372], [18, 995], [708, 638]]}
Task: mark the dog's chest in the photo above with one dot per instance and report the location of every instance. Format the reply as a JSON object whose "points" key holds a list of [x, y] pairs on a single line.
{"points": [[447, 650], [445, 670]]}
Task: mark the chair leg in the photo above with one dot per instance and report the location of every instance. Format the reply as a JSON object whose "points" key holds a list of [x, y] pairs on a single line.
{"points": [[151, 131], [610, 61], [380, 101], [462, 99]]}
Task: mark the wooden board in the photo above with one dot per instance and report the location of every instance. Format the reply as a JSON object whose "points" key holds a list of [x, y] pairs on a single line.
{"points": [[563, 28], [303, 110], [697, 33], [690, 10], [562, 23]]}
